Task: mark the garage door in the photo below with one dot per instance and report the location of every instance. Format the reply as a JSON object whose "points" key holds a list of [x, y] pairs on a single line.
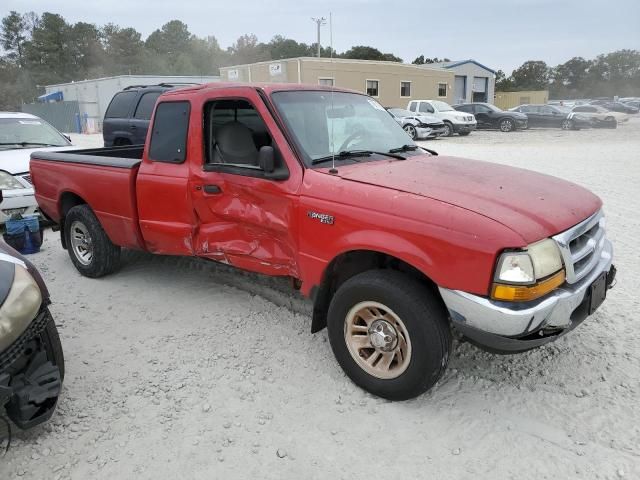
{"points": [[480, 84], [460, 89]]}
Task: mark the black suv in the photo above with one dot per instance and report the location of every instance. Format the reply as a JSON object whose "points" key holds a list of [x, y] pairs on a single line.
{"points": [[127, 118]]}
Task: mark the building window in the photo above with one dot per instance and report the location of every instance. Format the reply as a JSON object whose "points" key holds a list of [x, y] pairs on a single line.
{"points": [[326, 81], [442, 89], [372, 88], [405, 89]]}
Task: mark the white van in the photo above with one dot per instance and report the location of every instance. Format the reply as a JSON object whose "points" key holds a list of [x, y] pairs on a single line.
{"points": [[454, 121]]}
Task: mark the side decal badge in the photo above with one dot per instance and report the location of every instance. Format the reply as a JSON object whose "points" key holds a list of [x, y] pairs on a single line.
{"points": [[321, 217]]}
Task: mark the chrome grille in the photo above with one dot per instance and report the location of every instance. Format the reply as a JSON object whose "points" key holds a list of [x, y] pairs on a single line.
{"points": [[581, 246]]}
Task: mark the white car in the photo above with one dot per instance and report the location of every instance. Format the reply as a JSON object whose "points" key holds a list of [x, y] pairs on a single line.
{"points": [[21, 134], [454, 121]]}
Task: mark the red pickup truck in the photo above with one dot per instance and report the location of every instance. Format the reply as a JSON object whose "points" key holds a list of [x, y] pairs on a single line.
{"points": [[396, 245]]}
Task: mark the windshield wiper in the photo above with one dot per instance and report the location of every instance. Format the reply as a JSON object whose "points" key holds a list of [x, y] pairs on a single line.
{"points": [[24, 144], [404, 148], [354, 153]]}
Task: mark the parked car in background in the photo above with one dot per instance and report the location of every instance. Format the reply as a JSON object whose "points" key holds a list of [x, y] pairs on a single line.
{"points": [[454, 122], [419, 127], [552, 116], [20, 135], [616, 106], [126, 120], [490, 116], [633, 103], [31, 358], [599, 116]]}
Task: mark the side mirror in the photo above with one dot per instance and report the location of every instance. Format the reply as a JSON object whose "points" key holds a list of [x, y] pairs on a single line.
{"points": [[1, 197], [266, 159]]}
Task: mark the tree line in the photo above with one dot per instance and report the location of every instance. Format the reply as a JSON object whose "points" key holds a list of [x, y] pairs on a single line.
{"points": [[45, 49], [615, 73]]}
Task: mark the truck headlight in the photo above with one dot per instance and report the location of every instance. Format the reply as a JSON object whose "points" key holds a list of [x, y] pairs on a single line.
{"points": [[8, 182], [20, 307], [529, 274]]}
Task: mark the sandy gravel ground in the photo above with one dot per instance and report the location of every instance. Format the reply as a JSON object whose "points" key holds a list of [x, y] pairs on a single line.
{"points": [[183, 369]]}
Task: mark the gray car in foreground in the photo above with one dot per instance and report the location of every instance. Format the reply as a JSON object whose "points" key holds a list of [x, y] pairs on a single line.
{"points": [[418, 127]]}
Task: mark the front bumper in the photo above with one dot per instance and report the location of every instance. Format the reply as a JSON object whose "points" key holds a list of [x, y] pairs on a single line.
{"points": [[21, 201], [29, 382], [512, 327], [464, 127]]}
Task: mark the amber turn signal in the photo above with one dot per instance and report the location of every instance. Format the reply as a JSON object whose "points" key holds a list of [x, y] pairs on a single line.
{"points": [[525, 293]]}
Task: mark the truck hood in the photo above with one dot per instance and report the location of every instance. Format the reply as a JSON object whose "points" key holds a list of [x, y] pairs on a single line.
{"points": [[16, 160], [533, 205]]}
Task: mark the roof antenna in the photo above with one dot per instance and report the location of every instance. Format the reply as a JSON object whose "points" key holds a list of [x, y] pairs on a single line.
{"points": [[333, 147]]}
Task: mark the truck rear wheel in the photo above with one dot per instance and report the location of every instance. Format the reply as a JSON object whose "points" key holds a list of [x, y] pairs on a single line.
{"points": [[389, 333], [89, 247]]}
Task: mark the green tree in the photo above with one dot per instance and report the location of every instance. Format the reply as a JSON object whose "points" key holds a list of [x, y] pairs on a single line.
{"points": [[503, 84], [246, 49], [280, 48], [363, 52], [85, 48], [531, 75], [124, 50], [47, 53], [13, 34]]}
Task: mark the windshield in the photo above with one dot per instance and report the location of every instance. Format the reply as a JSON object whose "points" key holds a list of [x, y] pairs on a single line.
{"points": [[399, 112], [323, 123], [29, 132], [441, 106]]}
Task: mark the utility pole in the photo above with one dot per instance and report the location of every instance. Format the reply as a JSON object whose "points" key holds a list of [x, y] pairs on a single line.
{"points": [[319, 21]]}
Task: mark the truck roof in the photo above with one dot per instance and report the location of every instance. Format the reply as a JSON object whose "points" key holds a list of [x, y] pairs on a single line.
{"points": [[266, 87]]}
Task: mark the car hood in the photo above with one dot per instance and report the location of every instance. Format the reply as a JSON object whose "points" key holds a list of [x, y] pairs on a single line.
{"points": [[533, 205], [17, 160]]}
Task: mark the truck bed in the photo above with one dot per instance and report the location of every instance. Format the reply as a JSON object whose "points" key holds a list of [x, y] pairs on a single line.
{"points": [[104, 178]]}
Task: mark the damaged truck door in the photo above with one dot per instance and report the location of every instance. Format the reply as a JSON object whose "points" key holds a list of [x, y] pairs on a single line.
{"points": [[244, 211]]}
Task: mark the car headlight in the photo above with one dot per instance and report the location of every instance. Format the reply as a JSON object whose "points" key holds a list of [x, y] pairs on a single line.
{"points": [[20, 307], [528, 274], [8, 182]]}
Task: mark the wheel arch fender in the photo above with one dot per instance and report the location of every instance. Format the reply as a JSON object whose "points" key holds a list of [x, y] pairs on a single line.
{"points": [[359, 253], [68, 199]]}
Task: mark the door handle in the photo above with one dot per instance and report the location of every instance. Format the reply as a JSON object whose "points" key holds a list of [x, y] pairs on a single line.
{"points": [[212, 189], [133, 127]]}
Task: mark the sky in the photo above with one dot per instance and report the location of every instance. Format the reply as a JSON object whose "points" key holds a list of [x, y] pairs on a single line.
{"points": [[501, 34]]}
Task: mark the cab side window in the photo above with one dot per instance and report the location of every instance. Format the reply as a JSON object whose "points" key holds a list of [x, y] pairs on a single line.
{"points": [[235, 133], [237, 141], [169, 134], [426, 108]]}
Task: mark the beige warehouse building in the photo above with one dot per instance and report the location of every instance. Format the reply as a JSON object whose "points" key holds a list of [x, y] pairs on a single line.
{"points": [[392, 84]]}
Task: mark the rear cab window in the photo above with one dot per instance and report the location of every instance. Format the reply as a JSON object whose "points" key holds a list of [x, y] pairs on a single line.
{"points": [[169, 133], [120, 105]]}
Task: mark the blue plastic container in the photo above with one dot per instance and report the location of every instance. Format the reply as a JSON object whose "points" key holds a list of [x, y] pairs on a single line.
{"points": [[23, 234]]}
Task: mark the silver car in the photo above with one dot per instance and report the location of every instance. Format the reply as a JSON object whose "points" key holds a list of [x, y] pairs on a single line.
{"points": [[418, 126]]}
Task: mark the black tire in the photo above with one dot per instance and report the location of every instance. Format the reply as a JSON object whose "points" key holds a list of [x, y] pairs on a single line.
{"points": [[105, 257], [568, 124], [611, 122], [53, 346], [424, 317], [411, 131], [464, 134], [506, 125], [448, 129]]}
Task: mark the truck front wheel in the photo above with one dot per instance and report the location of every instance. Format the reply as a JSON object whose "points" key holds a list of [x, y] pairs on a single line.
{"points": [[389, 333], [89, 247]]}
